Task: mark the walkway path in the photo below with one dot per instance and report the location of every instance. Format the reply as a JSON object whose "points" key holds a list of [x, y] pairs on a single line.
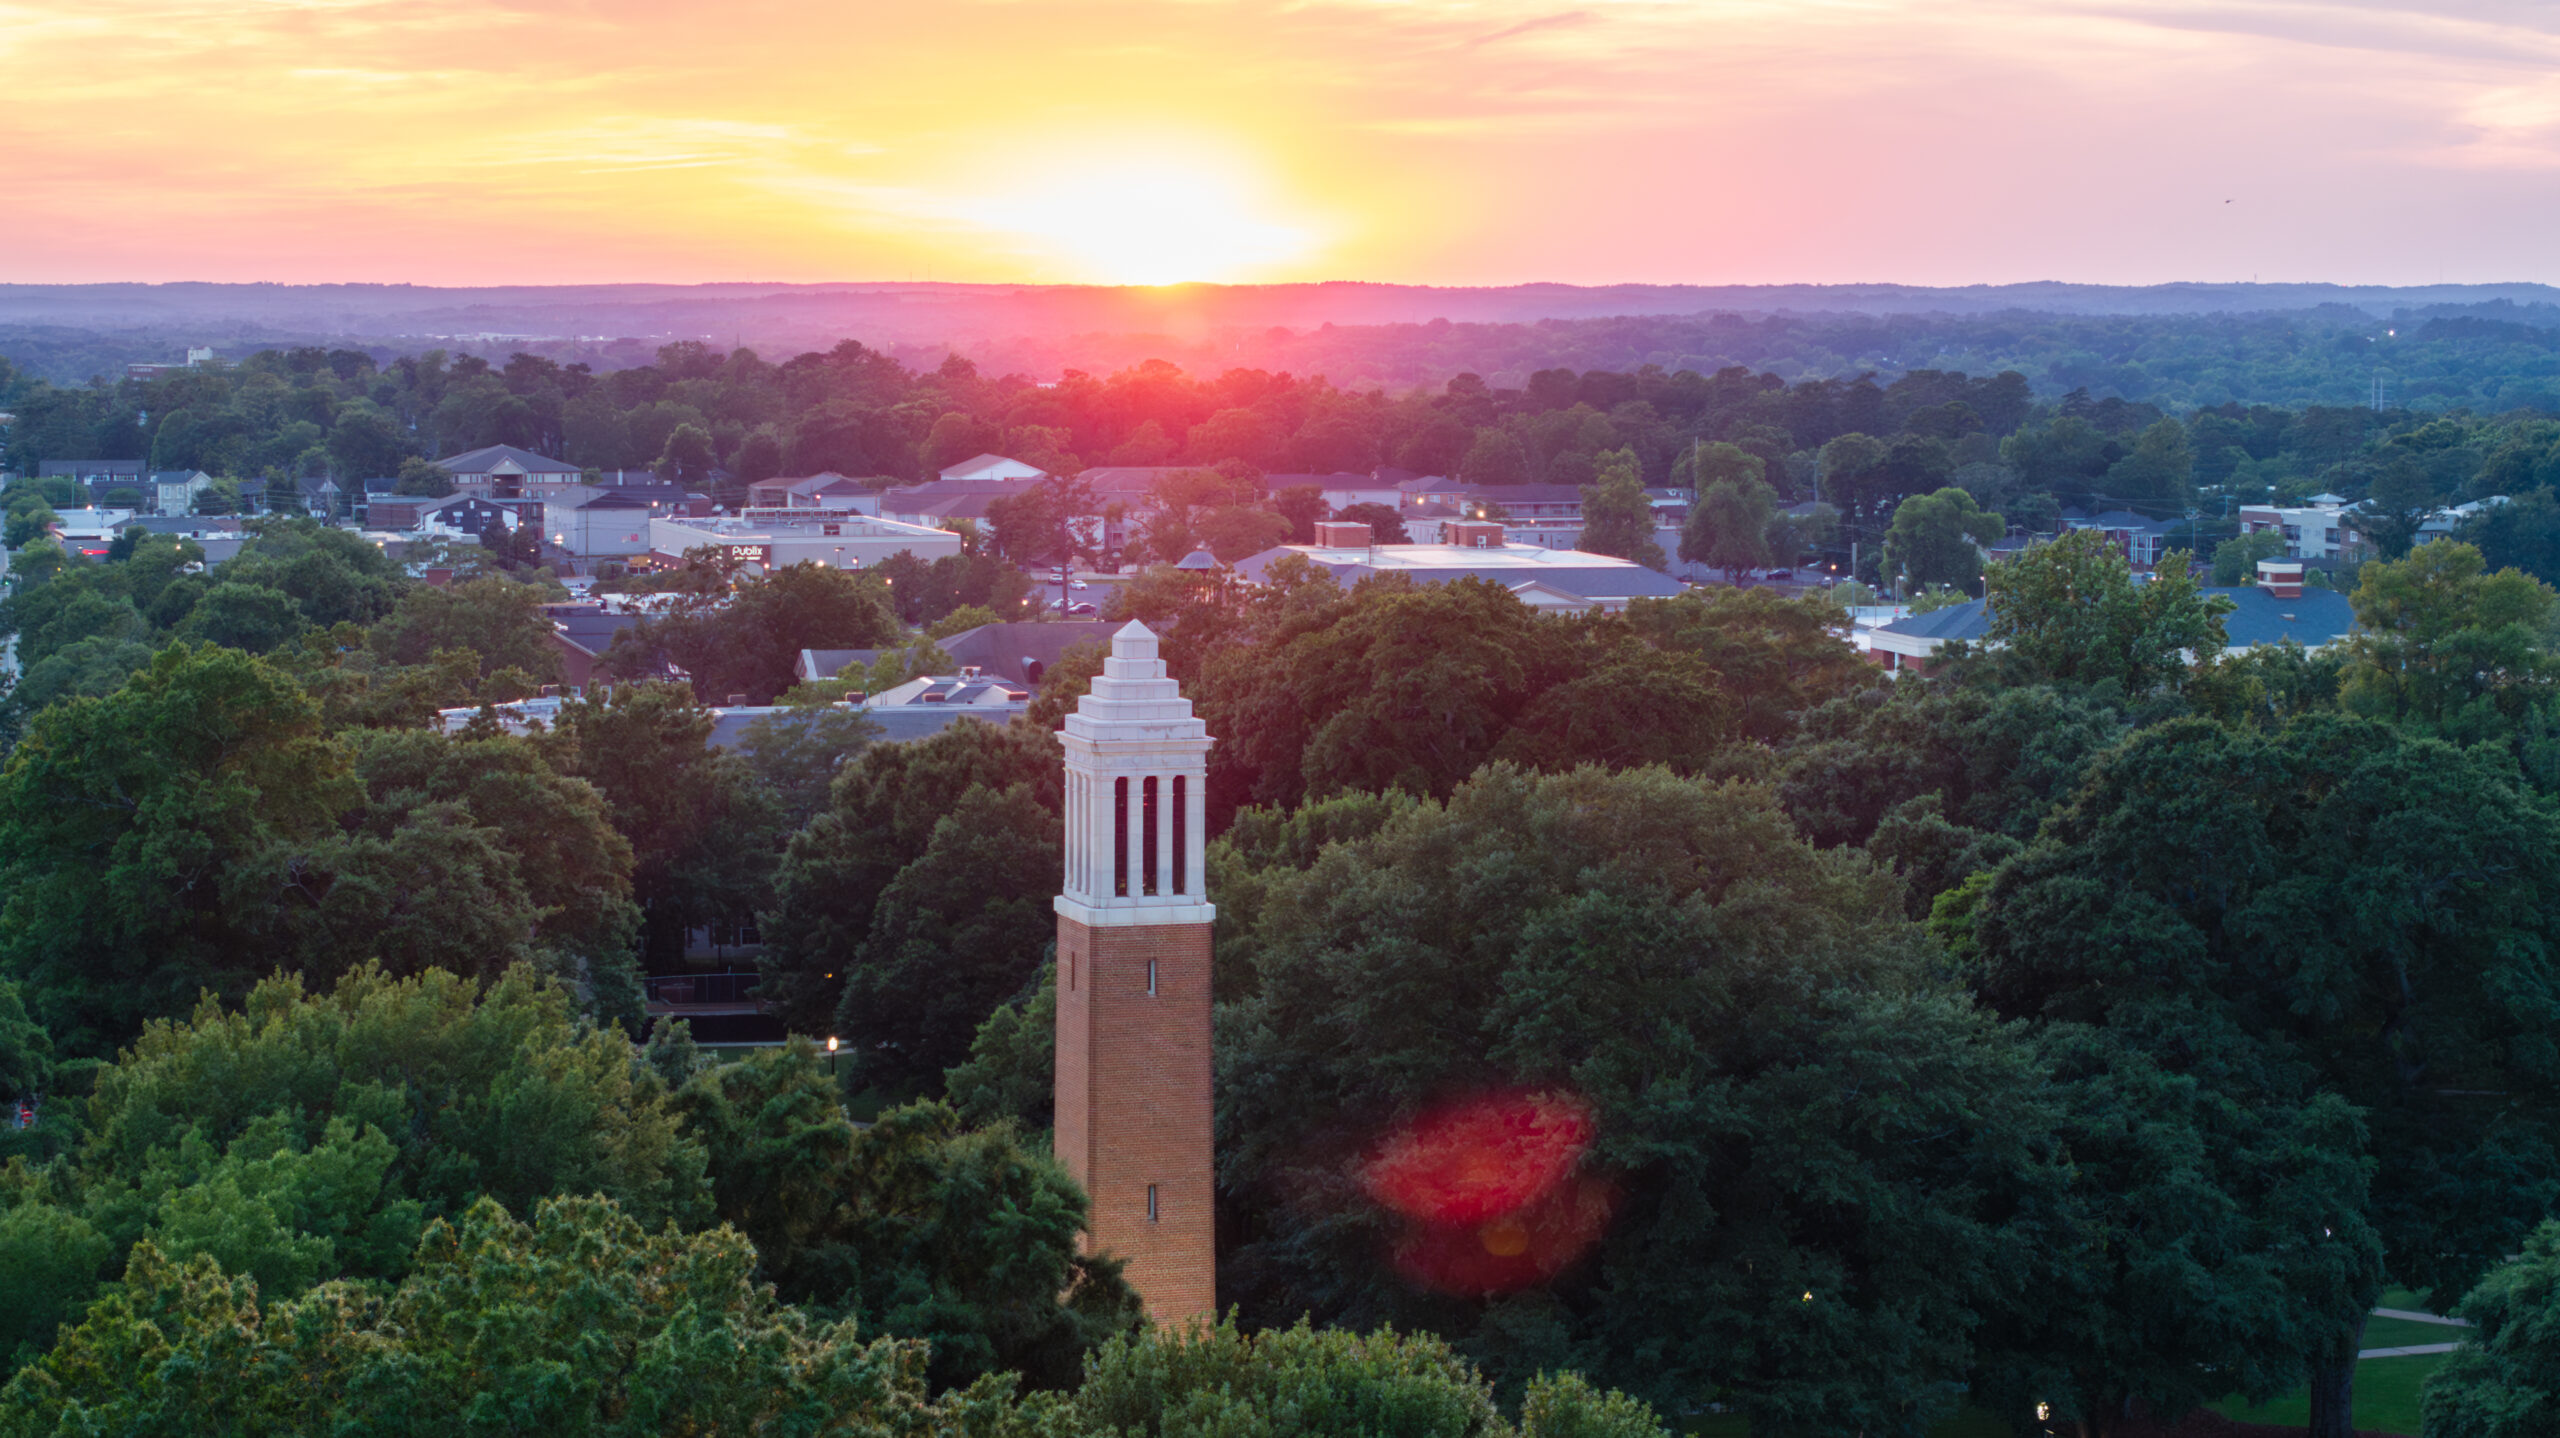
{"points": [[2414, 1350]]}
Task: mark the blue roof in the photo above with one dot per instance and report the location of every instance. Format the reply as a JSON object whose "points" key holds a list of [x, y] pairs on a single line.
{"points": [[1969, 620], [898, 722], [2315, 617]]}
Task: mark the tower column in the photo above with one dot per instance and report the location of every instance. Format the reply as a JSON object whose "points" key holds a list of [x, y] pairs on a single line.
{"points": [[1134, 1114]]}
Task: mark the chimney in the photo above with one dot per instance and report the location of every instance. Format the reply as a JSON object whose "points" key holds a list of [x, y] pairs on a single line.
{"points": [[1341, 534], [2281, 578]]}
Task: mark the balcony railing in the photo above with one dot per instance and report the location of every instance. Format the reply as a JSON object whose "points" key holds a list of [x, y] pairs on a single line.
{"points": [[679, 992]]}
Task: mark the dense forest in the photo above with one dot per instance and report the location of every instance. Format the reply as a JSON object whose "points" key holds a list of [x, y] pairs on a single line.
{"points": [[722, 420], [2095, 1026], [2486, 348]]}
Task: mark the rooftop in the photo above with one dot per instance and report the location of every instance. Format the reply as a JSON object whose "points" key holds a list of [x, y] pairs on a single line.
{"points": [[2310, 619], [849, 526], [489, 457], [1573, 571]]}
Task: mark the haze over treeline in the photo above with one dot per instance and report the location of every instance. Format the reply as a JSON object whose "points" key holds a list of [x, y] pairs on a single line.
{"points": [[2492, 348]]}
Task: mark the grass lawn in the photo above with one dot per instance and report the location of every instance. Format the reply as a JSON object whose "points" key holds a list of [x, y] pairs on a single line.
{"points": [[2386, 1392], [2407, 1333]]}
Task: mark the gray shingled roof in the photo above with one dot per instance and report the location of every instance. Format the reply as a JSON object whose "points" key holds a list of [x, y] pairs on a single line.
{"points": [[485, 458], [1006, 651]]}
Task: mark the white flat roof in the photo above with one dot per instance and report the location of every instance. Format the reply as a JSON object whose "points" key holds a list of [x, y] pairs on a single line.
{"points": [[851, 526], [1527, 557]]}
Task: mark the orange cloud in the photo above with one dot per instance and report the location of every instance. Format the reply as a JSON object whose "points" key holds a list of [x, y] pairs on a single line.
{"points": [[1472, 141]]}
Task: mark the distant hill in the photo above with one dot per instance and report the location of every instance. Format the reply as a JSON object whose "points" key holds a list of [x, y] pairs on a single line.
{"points": [[2185, 343]]}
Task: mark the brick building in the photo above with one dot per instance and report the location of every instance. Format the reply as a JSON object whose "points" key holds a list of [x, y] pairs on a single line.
{"points": [[1133, 1102]]}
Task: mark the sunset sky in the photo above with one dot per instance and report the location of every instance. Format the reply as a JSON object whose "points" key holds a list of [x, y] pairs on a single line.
{"points": [[1709, 141]]}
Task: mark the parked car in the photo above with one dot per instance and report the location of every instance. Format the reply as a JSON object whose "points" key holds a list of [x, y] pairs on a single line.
{"points": [[1081, 606], [1078, 584]]}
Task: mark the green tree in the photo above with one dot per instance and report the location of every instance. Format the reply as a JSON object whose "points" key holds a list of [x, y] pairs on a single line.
{"points": [[1940, 781], [1386, 523], [144, 835], [2449, 649], [28, 522], [1011, 1071], [2523, 533], [1398, 685], [702, 831], [688, 458], [749, 642], [1494, 458], [1617, 516], [423, 479], [1629, 943], [798, 755], [50, 1262], [2361, 903], [306, 1136], [2235, 560], [2401, 498], [1855, 480], [1728, 529], [581, 1321], [495, 618], [248, 617], [2159, 471], [882, 817], [2070, 611], [912, 1224], [555, 862], [1776, 657], [2504, 1381], [1937, 539], [332, 575], [2176, 1270], [1328, 1381], [961, 929]]}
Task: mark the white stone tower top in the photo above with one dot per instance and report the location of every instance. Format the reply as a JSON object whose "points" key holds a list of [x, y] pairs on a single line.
{"points": [[1136, 810]]}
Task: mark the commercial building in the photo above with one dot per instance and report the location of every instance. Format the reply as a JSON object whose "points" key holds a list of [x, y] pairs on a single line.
{"points": [[1554, 579], [502, 471], [829, 490], [2279, 608], [992, 469], [2314, 531], [762, 543]]}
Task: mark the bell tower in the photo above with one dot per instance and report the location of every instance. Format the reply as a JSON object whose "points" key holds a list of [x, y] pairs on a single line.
{"points": [[1133, 1105]]}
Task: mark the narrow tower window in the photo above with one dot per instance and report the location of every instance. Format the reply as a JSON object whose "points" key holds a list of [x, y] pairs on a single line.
{"points": [[1151, 976], [1151, 1203], [1147, 873], [1181, 833], [1120, 838]]}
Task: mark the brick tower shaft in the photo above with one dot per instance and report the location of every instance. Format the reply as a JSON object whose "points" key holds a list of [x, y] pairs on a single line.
{"points": [[1133, 1113]]}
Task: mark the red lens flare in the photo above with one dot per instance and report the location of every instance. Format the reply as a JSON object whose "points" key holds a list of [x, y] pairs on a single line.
{"points": [[1492, 1191]]}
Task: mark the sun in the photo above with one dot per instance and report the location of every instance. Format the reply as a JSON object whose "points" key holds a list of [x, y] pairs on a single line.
{"points": [[1154, 221]]}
